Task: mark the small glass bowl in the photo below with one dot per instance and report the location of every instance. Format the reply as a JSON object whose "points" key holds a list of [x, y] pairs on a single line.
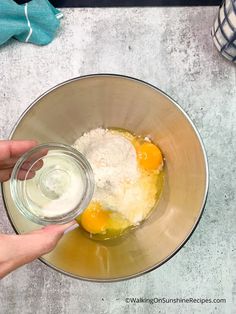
{"points": [[52, 184]]}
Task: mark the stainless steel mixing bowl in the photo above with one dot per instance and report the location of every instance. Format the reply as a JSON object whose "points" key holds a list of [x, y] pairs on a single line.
{"points": [[76, 106]]}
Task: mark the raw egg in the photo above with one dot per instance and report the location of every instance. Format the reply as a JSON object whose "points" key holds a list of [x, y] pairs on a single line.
{"points": [[94, 219], [149, 156], [99, 221]]}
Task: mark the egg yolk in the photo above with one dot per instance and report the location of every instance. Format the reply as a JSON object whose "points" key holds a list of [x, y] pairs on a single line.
{"points": [[94, 219], [149, 156]]}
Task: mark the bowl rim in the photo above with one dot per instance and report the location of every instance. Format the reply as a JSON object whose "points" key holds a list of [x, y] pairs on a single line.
{"points": [[198, 218]]}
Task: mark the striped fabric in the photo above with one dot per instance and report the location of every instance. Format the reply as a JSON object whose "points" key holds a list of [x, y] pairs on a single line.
{"points": [[224, 30]]}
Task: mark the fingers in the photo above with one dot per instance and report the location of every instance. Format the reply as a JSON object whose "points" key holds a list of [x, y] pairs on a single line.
{"points": [[10, 163], [36, 166], [28, 168], [46, 238], [17, 250], [61, 229], [12, 149], [71, 228], [25, 175], [38, 155], [5, 174]]}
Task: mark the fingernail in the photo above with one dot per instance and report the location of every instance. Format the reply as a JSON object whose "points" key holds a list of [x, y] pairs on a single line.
{"points": [[71, 228]]}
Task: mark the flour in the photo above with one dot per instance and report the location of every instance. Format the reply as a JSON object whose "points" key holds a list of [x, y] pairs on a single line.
{"points": [[119, 185], [112, 157]]}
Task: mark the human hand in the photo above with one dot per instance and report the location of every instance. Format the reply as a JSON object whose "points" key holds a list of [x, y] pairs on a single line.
{"points": [[17, 250], [10, 151]]}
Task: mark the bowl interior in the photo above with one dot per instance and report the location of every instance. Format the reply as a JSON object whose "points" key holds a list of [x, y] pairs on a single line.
{"points": [[74, 107]]}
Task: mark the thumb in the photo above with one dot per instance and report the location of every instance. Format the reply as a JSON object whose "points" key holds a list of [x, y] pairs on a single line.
{"points": [[17, 250], [46, 238], [59, 229]]}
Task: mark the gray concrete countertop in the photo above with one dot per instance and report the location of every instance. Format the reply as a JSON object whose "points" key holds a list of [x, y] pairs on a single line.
{"points": [[172, 49]]}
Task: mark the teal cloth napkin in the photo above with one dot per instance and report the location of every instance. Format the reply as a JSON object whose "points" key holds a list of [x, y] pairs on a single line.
{"points": [[35, 22]]}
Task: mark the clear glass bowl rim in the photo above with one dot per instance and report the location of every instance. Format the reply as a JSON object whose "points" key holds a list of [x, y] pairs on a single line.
{"points": [[67, 217]]}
